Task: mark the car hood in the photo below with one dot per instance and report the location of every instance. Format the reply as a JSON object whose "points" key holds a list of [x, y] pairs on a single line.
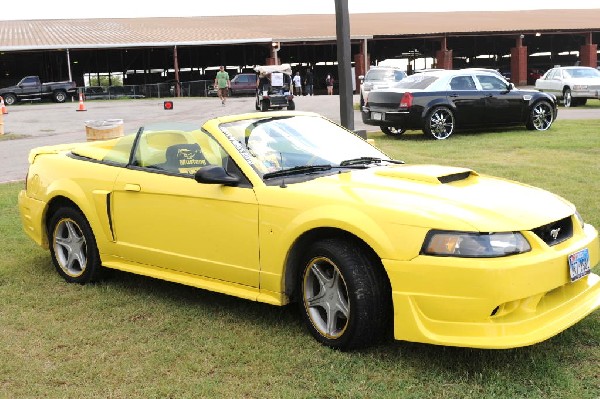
{"points": [[445, 197]]}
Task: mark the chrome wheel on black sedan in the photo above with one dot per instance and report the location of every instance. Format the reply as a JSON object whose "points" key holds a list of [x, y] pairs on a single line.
{"points": [[541, 116], [439, 123], [392, 131]]}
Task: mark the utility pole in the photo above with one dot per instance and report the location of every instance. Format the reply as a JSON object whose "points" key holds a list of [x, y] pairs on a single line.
{"points": [[344, 50]]}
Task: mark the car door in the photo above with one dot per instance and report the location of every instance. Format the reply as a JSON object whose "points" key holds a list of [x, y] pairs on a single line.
{"points": [[552, 82], [502, 106], [467, 101], [30, 88], [169, 220]]}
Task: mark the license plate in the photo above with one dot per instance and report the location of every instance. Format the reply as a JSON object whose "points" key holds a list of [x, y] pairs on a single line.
{"points": [[377, 116], [579, 264]]}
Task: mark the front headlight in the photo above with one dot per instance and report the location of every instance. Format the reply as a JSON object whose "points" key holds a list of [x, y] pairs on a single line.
{"points": [[474, 245]]}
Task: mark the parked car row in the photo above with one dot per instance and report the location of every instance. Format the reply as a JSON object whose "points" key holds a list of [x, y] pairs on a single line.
{"points": [[440, 102]]}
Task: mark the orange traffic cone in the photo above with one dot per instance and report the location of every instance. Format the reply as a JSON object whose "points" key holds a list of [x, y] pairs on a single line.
{"points": [[81, 104], [3, 107]]}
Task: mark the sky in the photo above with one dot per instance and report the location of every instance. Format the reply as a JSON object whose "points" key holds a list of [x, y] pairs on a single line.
{"points": [[78, 9]]}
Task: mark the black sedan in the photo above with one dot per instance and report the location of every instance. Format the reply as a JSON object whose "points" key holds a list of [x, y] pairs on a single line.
{"points": [[441, 101]]}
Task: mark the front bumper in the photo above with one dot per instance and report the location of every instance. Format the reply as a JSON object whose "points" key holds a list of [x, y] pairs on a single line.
{"points": [[493, 303]]}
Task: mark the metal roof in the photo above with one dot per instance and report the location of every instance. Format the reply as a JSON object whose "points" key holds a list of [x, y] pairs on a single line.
{"points": [[153, 32]]}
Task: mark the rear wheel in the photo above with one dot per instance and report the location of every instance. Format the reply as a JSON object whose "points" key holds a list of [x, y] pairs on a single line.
{"points": [[291, 105], [59, 96], [345, 295], [393, 131], [541, 116], [73, 246], [567, 98], [439, 123]]}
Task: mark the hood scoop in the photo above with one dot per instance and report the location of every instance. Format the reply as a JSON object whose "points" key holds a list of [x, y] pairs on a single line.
{"points": [[432, 174]]}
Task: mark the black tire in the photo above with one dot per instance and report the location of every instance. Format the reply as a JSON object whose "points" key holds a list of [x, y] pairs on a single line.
{"points": [[59, 96], [541, 116], [439, 123], [362, 101], [345, 296], [392, 131], [10, 99], [291, 105], [567, 97], [264, 105], [73, 246]]}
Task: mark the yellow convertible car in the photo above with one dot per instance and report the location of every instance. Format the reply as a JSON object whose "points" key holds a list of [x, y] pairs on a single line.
{"points": [[290, 207]]}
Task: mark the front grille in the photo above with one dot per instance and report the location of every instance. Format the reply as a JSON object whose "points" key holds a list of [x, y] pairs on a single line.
{"points": [[555, 232]]}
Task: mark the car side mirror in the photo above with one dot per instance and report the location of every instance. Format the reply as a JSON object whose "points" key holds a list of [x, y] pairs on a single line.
{"points": [[510, 86], [213, 174], [361, 77]]}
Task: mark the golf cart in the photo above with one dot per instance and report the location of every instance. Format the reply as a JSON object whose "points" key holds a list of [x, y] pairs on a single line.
{"points": [[274, 90]]}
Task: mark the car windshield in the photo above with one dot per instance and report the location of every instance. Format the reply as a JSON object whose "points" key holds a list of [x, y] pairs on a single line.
{"points": [[276, 143], [417, 81], [582, 73], [384, 74]]}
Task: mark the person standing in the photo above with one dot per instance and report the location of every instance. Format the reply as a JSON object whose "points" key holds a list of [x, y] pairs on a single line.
{"points": [[329, 83], [297, 84], [308, 83], [222, 84]]}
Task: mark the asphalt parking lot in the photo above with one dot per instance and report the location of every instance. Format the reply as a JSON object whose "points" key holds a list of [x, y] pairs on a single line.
{"points": [[34, 125]]}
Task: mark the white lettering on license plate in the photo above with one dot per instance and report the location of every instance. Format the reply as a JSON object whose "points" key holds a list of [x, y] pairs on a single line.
{"points": [[579, 264]]}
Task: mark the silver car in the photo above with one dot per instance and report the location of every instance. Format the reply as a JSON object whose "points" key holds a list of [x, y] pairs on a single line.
{"points": [[573, 85], [379, 77]]}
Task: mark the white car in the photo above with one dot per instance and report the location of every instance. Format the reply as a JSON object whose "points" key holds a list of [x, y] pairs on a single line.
{"points": [[573, 84], [379, 77]]}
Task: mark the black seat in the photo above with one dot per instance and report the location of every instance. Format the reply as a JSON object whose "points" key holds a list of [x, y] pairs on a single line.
{"points": [[184, 158]]}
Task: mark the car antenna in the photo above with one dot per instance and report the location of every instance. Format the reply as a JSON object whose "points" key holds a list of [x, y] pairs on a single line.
{"points": [[283, 185]]}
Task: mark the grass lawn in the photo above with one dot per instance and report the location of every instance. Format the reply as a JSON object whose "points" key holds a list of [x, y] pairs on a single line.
{"points": [[134, 337]]}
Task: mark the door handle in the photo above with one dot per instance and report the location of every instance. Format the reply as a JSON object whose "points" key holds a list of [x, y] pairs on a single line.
{"points": [[132, 187]]}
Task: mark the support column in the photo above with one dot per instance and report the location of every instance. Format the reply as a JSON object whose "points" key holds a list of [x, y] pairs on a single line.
{"points": [[588, 53], [359, 68], [176, 68], [443, 56], [518, 63]]}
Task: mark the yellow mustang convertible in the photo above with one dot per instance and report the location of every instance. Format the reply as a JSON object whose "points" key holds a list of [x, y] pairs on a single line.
{"points": [[290, 207]]}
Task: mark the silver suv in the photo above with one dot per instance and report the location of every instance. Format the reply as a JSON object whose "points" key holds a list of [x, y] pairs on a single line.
{"points": [[379, 77]]}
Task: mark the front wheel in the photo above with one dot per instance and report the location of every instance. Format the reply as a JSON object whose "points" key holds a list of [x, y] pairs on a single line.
{"points": [[439, 123], [541, 116], [10, 99], [264, 105], [393, 131], [73, 247], [567, 98], [346, 299]]}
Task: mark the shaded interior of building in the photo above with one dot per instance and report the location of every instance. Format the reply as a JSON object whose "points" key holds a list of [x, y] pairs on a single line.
{"points": [[514, 53]]}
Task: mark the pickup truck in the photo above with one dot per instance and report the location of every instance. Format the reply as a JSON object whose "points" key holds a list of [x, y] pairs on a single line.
{"points": [[31, 88]]}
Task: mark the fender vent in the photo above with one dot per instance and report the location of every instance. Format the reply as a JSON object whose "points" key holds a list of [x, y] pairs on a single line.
{"points": [[454, 177]]}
